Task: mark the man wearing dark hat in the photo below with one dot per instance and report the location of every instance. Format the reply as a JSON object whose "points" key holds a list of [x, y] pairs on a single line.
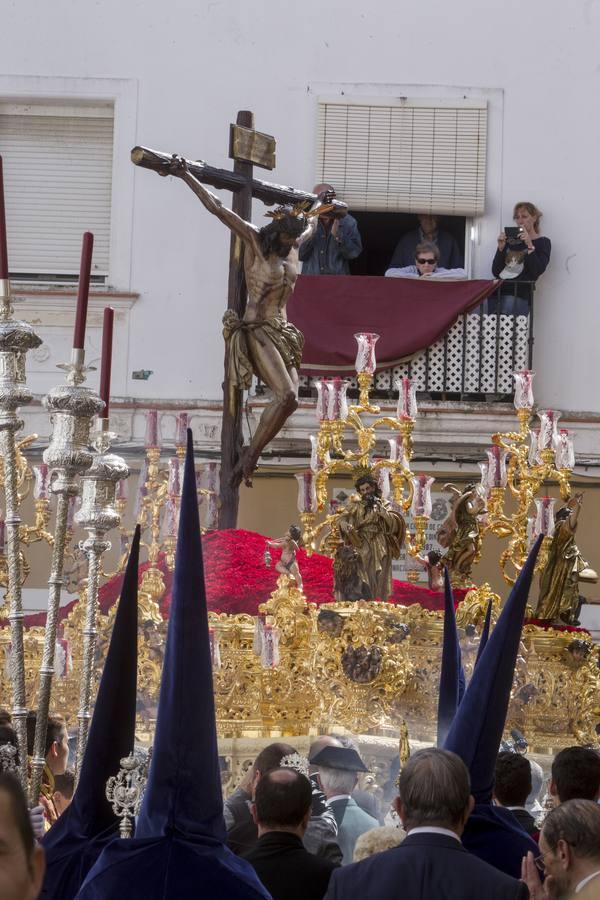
{"points": [[434, 804], [338, 769]]}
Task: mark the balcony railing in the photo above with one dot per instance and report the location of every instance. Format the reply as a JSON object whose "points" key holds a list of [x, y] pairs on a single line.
{"points": [[476, 358]]}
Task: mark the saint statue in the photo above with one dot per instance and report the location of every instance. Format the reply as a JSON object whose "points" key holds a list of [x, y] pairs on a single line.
{"points": [[375, 532], [565, 568], [460, 533], [263, 343]]}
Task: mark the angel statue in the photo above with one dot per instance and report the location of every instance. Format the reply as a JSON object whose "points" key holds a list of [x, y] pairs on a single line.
{"points": [[460, 532]]}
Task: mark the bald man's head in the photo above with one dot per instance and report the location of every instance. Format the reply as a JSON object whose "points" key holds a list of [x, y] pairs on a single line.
{"points": [[323, 189], [283, 801]]}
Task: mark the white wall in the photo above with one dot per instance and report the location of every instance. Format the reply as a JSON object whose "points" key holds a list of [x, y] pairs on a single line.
{"points": [[191, 65]]}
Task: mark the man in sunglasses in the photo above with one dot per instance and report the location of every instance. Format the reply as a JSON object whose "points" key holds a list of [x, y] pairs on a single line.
{"points": [[427, 257]]}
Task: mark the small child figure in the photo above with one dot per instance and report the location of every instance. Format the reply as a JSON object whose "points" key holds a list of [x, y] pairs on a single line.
{"points": [[290, 544], [435, 569]]}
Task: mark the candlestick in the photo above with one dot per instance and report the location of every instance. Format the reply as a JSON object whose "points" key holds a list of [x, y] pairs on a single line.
{"points": [[3, 238], [106, 364], [16, 338], [72, 409], [97, 515], [85, 269]]}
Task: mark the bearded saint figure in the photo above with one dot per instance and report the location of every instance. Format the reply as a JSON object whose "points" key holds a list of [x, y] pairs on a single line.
{"points": [[376, 532]]}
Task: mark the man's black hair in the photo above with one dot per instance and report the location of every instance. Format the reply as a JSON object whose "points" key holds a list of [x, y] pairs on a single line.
{"points": [[287, 223], [576, 774], [295, 533], [512, 783], [56, 724], [18, 806], [270, 756], [283, 798], [434, 557]]}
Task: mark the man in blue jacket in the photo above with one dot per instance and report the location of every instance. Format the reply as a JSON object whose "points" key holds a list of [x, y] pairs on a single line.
{"points": [[434, 805], [335, 241]]}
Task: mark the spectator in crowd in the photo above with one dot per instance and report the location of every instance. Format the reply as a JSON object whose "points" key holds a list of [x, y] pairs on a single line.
{"points": [[282, 810], [21, 859], [5, 716], [57, 754], [338, 776], [570, 854], [377, 840], [64, 787], [336, 241], [425, 265], [525, 257], [449, 255], [434, 804], [575, 775], [512, 785], [9, 752], [367, 800], [242, 832]]}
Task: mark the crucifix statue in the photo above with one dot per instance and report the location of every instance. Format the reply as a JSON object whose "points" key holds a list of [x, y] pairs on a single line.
{"points": [[263, 271]]}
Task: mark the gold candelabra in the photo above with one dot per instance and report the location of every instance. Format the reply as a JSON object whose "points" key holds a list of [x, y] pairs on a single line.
{"points": [[518, 464], [404, 490]]}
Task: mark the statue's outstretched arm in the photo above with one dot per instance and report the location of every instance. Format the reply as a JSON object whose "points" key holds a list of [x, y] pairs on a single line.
{"points": [[245, 230]]}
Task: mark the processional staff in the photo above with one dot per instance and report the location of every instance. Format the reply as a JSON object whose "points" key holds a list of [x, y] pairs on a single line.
{"points": [[16, 338]]}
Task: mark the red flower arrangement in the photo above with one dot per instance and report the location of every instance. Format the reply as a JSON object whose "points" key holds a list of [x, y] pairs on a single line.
{"points": [[237, 580]]}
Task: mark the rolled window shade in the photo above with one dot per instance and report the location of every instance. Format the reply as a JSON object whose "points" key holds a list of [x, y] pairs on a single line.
{"points": [[57, 182], [406, 157]]}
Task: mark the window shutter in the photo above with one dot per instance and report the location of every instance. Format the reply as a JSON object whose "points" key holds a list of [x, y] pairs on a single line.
{"points": [[57, 181], [410, 157]]}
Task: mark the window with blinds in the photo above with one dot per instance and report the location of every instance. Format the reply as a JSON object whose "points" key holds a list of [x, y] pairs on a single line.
{"points": [[413, 156], [57, 182]]}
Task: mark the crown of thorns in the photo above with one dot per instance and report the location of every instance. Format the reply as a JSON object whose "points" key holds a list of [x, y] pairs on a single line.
{"points": [[299, 209]]}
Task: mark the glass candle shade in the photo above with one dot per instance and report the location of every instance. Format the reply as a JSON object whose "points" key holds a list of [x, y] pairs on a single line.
{"points": [[383, 481], [407, 399], [174, 477], [122, 491], [41, 487], [210, 478], [337, 404], [181, 426], [421, 501], [544, 517], [397, 450], [170, 518], [365, 355], [307, 495], [151, 439], [534, 453], [548, 429], [484, 485], [564, 451], [496, 467], [523, 389], [322, 408]]}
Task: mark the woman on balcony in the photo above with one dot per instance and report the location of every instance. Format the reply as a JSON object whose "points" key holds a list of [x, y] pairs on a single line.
{"points": [[521, 258]]}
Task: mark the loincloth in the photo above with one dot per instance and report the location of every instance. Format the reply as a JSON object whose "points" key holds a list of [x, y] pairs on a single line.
{"points": [[285, 337]]}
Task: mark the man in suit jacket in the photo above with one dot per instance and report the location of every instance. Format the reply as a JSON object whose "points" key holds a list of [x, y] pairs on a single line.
{"points": [[338, 769], [434, 804], [282, 808]]}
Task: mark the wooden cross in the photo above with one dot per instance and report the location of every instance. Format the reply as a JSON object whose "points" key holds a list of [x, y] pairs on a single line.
{"points": [[247, 148]]}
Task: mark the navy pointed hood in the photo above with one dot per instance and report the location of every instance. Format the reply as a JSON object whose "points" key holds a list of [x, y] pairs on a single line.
{"points": [[451, 669], [75, 841], [476, 731], [485, 632], [178, 849]]}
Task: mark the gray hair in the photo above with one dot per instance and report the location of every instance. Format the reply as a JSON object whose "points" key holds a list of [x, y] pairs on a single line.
{"points": [[434, 788], [578, 823], [337, 781]]}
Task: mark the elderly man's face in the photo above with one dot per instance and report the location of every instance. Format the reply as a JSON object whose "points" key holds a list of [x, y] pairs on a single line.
{"points": [[20, 877], [555, 864]]}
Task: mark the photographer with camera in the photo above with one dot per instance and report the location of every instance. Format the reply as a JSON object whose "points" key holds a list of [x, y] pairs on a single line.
{"points": [[335, 241], [522, 256]]}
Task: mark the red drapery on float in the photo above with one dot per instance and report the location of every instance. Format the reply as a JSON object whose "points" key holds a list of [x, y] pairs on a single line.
{"points": [[409, 314]]}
